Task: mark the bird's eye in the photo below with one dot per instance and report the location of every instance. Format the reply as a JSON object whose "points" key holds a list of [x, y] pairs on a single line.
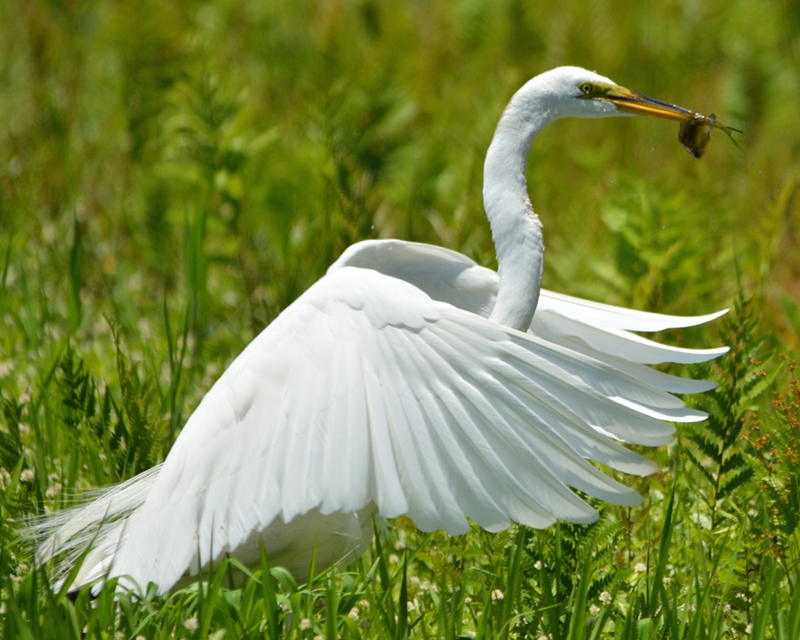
{"points": [[586, 87]]}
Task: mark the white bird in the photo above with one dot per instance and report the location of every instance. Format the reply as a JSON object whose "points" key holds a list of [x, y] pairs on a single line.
{"points": [[408, 380]]}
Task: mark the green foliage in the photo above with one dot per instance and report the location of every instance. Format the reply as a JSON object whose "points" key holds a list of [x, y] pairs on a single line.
{"points": [[772, 452], [717, 452]]}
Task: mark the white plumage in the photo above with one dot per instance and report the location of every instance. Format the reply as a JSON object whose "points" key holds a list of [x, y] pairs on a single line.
{"points": [[408, 380]]}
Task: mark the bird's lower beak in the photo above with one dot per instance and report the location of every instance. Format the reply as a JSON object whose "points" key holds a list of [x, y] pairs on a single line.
{"points": [[636, 103]]}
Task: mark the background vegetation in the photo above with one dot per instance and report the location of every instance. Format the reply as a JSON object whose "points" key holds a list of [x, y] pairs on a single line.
{"points": [[172, 175]]}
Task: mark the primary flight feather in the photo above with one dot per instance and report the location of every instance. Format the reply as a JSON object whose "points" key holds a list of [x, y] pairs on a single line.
{"points": [[408, 380]]}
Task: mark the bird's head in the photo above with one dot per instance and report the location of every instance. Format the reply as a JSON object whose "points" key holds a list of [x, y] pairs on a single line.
{"points": [[584, 94]]}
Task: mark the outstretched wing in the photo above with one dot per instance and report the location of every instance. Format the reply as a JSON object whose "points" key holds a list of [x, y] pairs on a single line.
{"points": [[367, 390]]}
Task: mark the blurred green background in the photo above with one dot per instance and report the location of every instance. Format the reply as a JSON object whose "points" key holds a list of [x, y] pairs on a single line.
{"points": [[206, 161]]}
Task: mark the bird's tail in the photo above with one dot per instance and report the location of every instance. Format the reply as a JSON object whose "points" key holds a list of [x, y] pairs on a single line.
{"points": [[99, 525]]}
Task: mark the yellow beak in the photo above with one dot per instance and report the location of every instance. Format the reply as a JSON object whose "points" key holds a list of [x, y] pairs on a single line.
{"points": [[632, 102]]}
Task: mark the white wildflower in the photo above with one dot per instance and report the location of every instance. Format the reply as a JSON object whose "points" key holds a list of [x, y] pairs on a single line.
{"points": [[364, 604], [594, 609], [666, 580], [394, 558], [605, 598], [353, 615], [749, 628], [305, 623], [640, 567], [27, 475], [497, 595], [410, 606], [53, 491], [537, 565], [467, 600], [191, 624]]}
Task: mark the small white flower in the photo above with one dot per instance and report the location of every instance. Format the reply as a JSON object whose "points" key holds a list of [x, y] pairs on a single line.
{"points": [[191, 624], [467, 600], [414, 581], [400, 545], [666, 580], [3, 609], [394, 558], [425, 585], [726, 607], [605, 598], [594, 609], [305, 623], [364, 604], [318, 637], [410, 606], [497, 595], [27, 475], [537, 565], [118, 635], [749, 628], [53, 491], [353, 615], [640, 567]]}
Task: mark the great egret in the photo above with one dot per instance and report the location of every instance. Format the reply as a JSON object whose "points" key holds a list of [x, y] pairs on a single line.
{"points": [[408, 380]]}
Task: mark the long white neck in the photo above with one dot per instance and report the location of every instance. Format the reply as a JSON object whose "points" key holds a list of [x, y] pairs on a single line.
{"points": [[516, 229]]}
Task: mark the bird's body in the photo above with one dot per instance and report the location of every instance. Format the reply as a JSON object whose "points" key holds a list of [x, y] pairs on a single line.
{"points": [[408, 380]]}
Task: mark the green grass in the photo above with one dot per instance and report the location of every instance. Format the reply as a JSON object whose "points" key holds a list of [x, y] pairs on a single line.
{"points": [[172, 175]]}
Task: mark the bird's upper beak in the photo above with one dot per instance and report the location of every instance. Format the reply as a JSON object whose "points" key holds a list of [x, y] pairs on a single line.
{"points": [[636, 103]]}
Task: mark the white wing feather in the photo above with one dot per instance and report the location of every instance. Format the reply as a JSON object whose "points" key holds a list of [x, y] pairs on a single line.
{"points": [[385, 383]]}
